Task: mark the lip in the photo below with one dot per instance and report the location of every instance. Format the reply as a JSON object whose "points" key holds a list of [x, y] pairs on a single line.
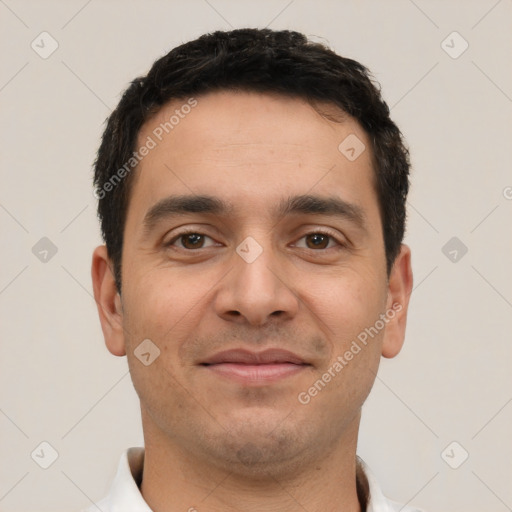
{"points": [[242, 356], [248, 367]]}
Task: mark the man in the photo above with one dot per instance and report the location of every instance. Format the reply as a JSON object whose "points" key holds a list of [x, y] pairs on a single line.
{"points": [[252, 193]]}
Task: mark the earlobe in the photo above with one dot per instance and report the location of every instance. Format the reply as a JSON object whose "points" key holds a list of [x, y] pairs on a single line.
{"points": [[108, 301], [399, 291]]}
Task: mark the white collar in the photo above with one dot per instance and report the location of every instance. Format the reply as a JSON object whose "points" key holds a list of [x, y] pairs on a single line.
{"points": [[125, 496]]}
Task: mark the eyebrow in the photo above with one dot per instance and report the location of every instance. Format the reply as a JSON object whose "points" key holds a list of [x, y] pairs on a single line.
{"points": [[302, 204]]}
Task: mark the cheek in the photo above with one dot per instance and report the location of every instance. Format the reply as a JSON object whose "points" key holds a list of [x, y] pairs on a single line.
{"points": [[353, 310], [167, 306], [347, 306], [161, 299], [347, 303], [163, 309]]}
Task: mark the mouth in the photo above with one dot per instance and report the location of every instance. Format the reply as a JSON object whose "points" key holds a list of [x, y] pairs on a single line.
{"points": [[255, 367]]}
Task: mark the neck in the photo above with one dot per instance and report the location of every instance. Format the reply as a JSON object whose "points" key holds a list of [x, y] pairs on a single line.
{"points": [[177, 480]]}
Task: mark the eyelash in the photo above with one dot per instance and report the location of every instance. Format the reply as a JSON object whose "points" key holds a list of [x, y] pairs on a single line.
{"points": [[323, 232]]}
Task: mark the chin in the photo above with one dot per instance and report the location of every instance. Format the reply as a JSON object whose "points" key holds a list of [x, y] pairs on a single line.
{"points": [[262, 447]]}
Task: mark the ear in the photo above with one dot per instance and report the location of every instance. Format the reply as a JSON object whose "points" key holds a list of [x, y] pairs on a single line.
{"points": [[108, 301], [399, 292]]}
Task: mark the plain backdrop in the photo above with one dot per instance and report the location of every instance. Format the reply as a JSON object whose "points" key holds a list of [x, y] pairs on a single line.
{"points": [[436, 428]]}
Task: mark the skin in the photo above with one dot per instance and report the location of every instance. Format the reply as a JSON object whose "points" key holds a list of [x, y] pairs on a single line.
{"points": [[214, 443]]}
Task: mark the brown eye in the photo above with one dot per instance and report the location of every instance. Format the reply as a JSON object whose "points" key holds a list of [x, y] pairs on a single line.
{"points": [[192, 240], [317, 241]]}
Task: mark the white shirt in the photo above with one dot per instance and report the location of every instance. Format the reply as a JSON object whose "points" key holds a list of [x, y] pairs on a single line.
{"points": [[125, 496]]}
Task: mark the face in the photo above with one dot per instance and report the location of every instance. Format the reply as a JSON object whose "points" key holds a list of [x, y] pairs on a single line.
{"points": [[254, 261]]}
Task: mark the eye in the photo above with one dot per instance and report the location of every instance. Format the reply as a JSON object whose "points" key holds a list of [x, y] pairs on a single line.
{"points": [[190, 240], [318, 240]]}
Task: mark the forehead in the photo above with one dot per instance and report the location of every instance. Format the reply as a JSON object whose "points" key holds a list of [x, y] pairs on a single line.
{"points": [[248, 146], [231, 121]]}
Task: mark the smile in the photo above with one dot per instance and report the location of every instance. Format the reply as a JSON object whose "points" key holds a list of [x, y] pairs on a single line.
{"points": [[254, 373], [255, 368]]}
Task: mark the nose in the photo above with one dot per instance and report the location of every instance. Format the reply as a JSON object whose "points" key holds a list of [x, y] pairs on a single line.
{"points": [[256, 289]]}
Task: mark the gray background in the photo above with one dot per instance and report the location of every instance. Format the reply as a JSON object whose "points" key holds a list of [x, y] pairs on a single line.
{"points": [[451, 383]]}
